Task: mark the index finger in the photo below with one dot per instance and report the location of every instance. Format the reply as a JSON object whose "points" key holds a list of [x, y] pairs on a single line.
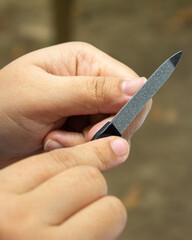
{"points": [[79, 59]]}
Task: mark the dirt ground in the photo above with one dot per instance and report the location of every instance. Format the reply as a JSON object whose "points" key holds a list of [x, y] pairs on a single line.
{"points": [[155, 183]]}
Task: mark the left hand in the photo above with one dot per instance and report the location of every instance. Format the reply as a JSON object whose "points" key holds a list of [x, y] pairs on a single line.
{"points": [[63, 195]]}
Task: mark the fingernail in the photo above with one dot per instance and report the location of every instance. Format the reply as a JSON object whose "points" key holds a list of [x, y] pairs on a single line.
{"points": [[130, 87], [120, 148], [51, 145]]}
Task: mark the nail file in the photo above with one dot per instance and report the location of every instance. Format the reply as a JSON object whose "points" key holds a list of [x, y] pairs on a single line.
{"points": [[131, 109]]}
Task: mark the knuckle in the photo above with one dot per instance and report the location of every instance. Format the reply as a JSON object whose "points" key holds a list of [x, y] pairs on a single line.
{"points": [[101, 158], [82, 44], [98, 90], [93, 177], [116, 208], [93, 173], [63, 158]]}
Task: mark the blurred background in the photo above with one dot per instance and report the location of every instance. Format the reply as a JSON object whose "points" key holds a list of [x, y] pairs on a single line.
{"points": [[155, 183]]}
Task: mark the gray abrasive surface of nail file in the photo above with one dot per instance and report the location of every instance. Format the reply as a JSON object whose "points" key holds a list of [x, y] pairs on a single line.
{"points": [[131, 109]]}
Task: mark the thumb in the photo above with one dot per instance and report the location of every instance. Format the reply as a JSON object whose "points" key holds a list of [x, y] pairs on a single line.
{"points": [[88, 95], [103, 154]]}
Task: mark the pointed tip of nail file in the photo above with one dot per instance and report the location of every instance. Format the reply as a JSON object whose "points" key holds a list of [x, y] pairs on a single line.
{"points": [[179, 54], [176, 57]]}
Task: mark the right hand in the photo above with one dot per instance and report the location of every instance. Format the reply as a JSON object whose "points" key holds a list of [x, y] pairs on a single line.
{"points": [[62, 194], [50, 89]]}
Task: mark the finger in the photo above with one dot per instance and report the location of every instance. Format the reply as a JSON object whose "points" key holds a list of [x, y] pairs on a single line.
{"points": [[84, 95], [138, 121], [97, 127], [60, 138], [102, 220], [26, 175], [68, 192], [79, 59], [130, 130]]}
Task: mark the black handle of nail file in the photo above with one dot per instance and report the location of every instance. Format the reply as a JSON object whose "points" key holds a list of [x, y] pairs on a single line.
{"points": [[107, 130]]}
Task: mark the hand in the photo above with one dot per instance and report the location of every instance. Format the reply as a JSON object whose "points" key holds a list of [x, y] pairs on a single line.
{"points": [[62, 194], [48, 89]]}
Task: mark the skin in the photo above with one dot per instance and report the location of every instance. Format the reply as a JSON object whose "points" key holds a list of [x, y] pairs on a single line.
{"points": [[60, 97], [50, 196], [48, 89]]}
